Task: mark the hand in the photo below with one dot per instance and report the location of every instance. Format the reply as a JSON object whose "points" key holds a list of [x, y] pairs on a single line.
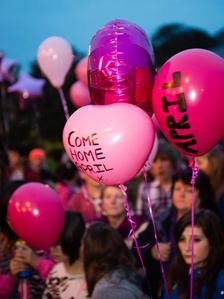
{"points": [[16, 267], [25, 255], [165, 250]]}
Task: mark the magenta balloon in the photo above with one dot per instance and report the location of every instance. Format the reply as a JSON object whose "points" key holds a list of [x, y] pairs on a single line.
{"points": [[121, 65], [36, 214], [188, 100], [110, 143], [81, 70], [79, 94]]}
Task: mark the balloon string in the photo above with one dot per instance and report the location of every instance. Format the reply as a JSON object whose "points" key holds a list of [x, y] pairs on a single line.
{"points": [[132, 223], [155, 235], [195, 171], [63, 102]]}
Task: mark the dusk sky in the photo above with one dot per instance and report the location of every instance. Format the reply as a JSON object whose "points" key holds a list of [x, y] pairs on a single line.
{"points": [[25, 24]]}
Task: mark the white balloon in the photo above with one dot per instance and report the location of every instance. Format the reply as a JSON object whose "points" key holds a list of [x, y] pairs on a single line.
{"points": [[55, 58]]}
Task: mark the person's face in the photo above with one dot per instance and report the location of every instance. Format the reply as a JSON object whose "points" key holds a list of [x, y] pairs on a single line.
{"points": [[14, 158], [182, 196], [203, 164], [113, 201], [162, 169], [201, 246]]}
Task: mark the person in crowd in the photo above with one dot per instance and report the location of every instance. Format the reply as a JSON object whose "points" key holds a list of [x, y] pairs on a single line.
{"points": [[159, 188], [208, 272], [67, 183], [36, 170], [115, 212], [182, 203], [66, 279], [16, 164], [109, 265], [212, 164], [88, 200]]}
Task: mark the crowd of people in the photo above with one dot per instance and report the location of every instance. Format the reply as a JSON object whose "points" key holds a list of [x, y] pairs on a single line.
{"points": [[109, 247]]}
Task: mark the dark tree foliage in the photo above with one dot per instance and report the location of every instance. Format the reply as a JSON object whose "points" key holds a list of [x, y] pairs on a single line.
{"points": [[174, 38]]}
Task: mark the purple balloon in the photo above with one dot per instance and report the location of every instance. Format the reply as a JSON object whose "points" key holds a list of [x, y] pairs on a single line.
{"points": [[28, 87], [121, 65]]}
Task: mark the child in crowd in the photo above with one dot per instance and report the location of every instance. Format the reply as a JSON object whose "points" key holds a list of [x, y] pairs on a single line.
{"points": [[208, 257], [109, 266]]}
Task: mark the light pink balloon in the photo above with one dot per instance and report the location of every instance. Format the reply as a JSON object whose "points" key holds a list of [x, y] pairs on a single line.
{"points": [[55, 58], [188, 100], [79, 94], [36, 214], [110, 143], [81, 70]]}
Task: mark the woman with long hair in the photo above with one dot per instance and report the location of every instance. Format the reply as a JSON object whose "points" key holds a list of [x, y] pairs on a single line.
{"points": [[208, 257], [109, 265]]}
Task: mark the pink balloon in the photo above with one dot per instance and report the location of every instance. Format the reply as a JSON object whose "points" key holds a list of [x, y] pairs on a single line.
{"points": [[79, 94], [110, 143], [55, 58], [81, 70], [121, 65], [36, 214], [188, 100]]}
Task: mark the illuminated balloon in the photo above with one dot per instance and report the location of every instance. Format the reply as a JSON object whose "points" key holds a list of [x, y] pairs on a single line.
{"points": [[188, 100], [121, 65], [55, 58], [36, 214], [110, 143]]}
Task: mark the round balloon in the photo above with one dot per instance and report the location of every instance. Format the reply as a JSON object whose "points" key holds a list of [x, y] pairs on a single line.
{"points": [[121, 65], [55, 58], [188, 100], [79, 94], [36, 214], [110, 143]]}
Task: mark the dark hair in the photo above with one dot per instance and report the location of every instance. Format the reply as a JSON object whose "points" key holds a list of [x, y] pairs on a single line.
{"points": [[166, 152], [5, 196], [104, 251], [71, 236], [202, 184], [178, 274]]}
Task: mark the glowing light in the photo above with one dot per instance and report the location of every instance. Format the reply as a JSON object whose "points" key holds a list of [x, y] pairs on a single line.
{"points": [[192, 95], [186, 80], [35, 212]]}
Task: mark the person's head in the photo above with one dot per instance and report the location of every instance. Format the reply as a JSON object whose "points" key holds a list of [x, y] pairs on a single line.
{"points": [[164, 164], [68, 247], [113, 201], [212, 164], [208, 251], [36, 158], [208, 237], [5, 230], [182, 191], [15, 156], [104, 250]]}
